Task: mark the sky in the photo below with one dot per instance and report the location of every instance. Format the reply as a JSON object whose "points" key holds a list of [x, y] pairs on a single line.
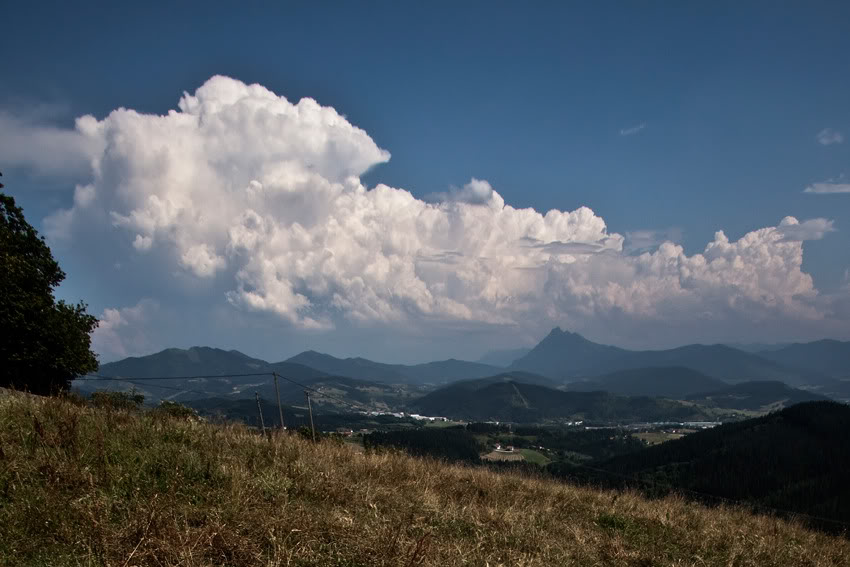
{"points": [[415, 181]]}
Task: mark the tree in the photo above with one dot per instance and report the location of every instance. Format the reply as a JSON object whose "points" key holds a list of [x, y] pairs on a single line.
{"points": [[46, 343]]}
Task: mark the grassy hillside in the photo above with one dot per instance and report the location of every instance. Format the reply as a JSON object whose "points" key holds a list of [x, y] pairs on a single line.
{"points": [[81, 486]]}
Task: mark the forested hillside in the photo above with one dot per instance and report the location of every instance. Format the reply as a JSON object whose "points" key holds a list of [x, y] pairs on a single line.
{"points": [[828, 357], [513, 400], [756, 396], [662, 381], [794, 460]]}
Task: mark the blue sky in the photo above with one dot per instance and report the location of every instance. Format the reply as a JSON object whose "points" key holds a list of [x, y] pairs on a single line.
{"points": [[668, 120]]}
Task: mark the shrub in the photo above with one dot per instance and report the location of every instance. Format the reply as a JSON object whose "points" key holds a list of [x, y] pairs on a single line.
{"points": [[174, 409], [117, 400]]}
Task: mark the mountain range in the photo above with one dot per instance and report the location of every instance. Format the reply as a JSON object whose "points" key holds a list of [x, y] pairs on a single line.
{"points": [[202, 372], [705, 374], [188, 362], [568, 356], [430, 372], [828, 357], [511, 397]]}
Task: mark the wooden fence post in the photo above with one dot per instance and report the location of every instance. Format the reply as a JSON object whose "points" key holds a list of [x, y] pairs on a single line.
{"points": [[260, 412], [279, 407], [310, 407]]}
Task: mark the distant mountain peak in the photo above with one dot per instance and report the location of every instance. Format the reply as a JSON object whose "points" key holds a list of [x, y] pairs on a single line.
{"points": [[558, 332], [312, 352], [569, 337], [564, 353]]}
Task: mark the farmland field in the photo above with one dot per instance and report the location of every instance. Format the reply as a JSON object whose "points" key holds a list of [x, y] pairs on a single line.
{"points": [[503, 456], [535, 457]]}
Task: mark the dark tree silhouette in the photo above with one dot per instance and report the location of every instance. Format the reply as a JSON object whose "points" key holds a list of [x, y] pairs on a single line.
{"points": [[46, 343]]}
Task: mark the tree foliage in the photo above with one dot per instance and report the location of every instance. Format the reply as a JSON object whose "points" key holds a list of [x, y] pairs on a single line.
{"points": [[131, 400], [46, 342]]}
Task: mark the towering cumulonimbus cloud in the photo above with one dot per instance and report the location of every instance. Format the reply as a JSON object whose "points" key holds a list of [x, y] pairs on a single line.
{"points": [[263, 196]]}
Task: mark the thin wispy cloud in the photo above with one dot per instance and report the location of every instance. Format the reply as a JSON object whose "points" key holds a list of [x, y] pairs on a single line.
{"points": [[828, 136], [559, 247], [832, 186], [793, 230], [643, 240], [46, 149], [633, 130]]}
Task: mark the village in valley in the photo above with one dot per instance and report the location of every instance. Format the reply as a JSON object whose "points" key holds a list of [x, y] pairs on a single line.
{"points": [[538, 445]]}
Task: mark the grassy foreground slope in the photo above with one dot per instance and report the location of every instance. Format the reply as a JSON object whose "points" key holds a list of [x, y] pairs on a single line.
{"points": [[82, 486]]}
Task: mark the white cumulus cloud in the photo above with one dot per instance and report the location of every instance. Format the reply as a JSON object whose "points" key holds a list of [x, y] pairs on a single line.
{"points": [[812, 229], [120, 331], [476, 192], [261, 198], [828, 136]]}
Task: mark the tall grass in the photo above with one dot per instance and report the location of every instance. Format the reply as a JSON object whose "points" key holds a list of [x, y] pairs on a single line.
{"points": [[111, 487]]}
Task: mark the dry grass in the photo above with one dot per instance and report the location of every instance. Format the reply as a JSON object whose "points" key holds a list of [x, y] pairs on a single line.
{"points": [[81, 486]]}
